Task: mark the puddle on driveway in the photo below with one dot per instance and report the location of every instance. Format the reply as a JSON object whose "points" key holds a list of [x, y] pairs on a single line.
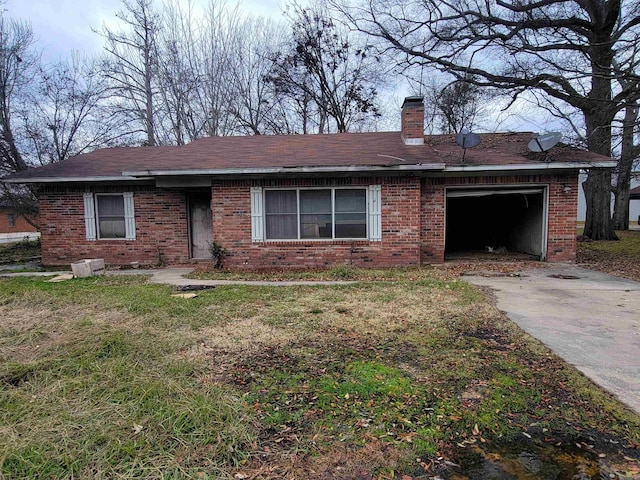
{"points": [[531, 462]]}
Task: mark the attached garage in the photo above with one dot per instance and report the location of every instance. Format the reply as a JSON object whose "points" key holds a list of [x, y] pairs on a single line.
{"points": [[505, 219]]}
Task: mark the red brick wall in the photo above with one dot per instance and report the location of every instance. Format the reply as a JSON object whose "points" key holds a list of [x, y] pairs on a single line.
{"points": [[413, 219], [412, 121], [563, 209], [161, 228], [432, 214], [400, 245], [21, 224], [563, 214]]}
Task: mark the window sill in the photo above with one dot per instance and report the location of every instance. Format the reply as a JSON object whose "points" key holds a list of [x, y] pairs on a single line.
{"points": [[113, 240], [317, 241]]}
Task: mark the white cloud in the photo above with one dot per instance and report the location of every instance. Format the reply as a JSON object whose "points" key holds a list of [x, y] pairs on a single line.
{"points": [[65, 25]]}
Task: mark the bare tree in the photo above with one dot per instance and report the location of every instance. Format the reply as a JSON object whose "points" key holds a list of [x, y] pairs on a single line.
{"points": [[629, 135], [214, 55], [455, 106], [18, 63], [564, 48], [629, 154], [19, 60], [625, 144], [256, 105], [179, 74], [65, 113], [324, 64], [131, 66]]}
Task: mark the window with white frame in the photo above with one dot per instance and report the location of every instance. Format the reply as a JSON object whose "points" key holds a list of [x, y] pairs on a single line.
{"points": [[315, 213], [109, 216]]}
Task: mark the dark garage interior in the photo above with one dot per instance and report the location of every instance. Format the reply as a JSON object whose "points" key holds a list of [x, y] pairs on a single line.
{"points": [[506, 220]]}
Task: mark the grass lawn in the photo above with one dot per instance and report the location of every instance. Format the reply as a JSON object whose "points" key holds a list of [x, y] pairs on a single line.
{"points": [[348, 273], [109, 377], [621, 258]]}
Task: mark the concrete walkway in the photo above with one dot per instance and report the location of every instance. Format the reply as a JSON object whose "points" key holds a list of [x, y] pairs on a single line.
{"points": [[19, 237], [592, 321], [175, 276]]}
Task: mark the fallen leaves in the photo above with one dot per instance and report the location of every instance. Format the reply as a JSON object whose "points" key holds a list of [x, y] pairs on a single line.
{"points": [[595, 255]]}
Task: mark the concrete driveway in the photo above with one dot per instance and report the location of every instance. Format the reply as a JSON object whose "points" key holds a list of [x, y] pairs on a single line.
{"points": [[592, 321]]}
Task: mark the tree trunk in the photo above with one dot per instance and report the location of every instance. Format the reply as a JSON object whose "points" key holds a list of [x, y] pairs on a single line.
{"points": [[597, 188], [15, 161], [149, 123], [627, 155], [621, 206]]}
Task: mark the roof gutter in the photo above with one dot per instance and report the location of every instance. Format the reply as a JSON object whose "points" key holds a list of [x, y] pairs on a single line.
{"points": [[286, 170], [94, 178], [531, 166]]}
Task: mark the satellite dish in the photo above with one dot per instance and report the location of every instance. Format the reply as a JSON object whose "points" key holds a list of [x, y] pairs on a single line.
{"points": [[543, 143], [467, 139]]}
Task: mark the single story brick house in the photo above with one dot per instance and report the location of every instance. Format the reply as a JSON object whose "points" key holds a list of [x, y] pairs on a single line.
{"points": [[13, 226], [309, 201]]}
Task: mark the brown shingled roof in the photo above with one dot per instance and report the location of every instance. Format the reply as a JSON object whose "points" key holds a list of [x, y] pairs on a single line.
{"points": [[330, 150], [634, 193]]}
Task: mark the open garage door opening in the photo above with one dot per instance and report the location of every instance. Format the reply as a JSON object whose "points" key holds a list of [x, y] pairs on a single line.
{"points": [[496, 220]]}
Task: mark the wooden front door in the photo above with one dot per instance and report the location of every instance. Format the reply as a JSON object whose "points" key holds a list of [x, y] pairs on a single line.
{"points": [[201, 225]]}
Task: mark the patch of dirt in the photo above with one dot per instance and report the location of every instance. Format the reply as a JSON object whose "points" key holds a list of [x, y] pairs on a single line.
{"points": [[607, 262], [491, 268], [340, 461]]}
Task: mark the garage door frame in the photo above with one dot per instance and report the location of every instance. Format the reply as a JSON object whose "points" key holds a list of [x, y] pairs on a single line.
{"points": [[503, 189]]}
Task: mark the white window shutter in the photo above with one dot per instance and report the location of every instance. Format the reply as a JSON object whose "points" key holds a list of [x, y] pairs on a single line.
{"points": [[89, 216], [375, 213], [257, 216], [129, 216]]}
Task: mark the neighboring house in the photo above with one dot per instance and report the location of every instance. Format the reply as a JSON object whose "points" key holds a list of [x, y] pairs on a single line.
{"points": [[13, 226], [309, 201], [634, 207]]}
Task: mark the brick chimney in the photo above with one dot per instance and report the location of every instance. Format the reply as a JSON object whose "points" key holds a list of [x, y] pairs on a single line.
{"points": [[413, 121]]}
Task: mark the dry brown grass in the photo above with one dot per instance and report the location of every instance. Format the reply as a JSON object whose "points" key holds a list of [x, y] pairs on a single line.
{"points": [[246, 336], [30, 333], [351, 381]]}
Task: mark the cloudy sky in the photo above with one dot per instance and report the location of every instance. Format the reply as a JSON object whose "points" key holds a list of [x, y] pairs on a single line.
{"points": [[62, 26], [65, 25]]}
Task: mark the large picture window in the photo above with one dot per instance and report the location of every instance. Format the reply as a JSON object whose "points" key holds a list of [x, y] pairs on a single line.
{"points": [[315, 213], [109, 216]]}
